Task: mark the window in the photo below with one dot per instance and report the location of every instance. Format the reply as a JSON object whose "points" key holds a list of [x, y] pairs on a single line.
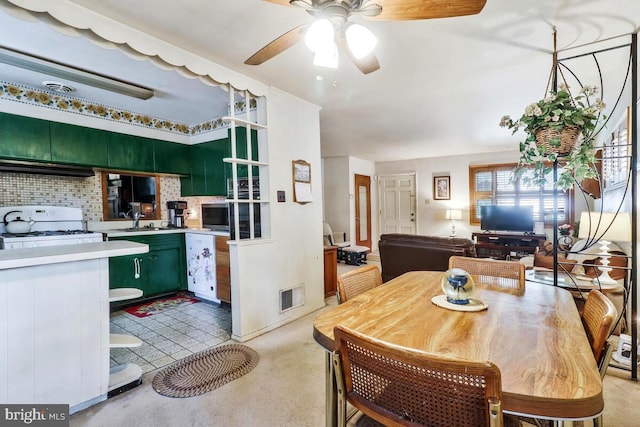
{"points": [[125, 194], [492, 185]]}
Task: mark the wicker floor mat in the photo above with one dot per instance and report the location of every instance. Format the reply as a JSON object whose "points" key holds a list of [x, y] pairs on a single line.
{"points": [[205, 371]]}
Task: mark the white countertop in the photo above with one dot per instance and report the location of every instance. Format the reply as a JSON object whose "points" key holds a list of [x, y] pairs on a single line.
{"points": [[146, 231], [28, 257]]}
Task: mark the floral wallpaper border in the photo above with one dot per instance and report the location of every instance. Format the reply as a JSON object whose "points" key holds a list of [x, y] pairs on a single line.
{"points": [[56, 101]]}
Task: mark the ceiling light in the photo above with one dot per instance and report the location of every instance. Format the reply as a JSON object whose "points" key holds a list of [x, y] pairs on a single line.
{"points": [[44, 66], [319, 35], [360, 40], [327, 56]]}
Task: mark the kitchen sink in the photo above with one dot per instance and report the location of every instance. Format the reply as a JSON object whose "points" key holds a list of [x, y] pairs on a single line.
{"points": [[149, 229]]}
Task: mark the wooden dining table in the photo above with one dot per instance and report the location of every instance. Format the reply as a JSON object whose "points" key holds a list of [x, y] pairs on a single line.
{"points": [[534, 336]]}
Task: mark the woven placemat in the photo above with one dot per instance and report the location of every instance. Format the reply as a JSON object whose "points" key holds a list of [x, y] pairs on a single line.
{"points": [[205, 371]]}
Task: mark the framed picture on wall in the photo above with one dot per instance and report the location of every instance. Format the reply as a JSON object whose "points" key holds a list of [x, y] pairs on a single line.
{"points": [[441, 188]]}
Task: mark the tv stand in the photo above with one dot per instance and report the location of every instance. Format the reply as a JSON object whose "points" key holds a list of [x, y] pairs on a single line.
{"points": [[506, 245]]}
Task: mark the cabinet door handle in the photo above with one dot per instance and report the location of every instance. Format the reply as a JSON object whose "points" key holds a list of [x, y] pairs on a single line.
{"points": [[136, 268]]}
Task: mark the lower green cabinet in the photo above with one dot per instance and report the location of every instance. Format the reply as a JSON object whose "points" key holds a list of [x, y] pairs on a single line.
{"points": [[160, 271]]}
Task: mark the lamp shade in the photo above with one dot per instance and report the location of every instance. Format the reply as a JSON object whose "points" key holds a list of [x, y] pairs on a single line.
{"points": [[453, 214], [609, 226]]}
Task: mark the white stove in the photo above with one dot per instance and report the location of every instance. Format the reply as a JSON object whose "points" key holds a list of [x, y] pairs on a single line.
{"points": [[53, 226]]}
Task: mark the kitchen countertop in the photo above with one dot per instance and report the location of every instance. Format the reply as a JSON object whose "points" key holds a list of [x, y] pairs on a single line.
{"points": [[149, 231], [28, 257]]}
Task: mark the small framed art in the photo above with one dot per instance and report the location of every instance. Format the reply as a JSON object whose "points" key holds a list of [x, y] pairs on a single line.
{"points": [[441, 188]]}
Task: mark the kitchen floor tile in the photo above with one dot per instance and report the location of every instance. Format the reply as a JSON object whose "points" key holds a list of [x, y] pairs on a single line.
{"points": [[171, 335]]}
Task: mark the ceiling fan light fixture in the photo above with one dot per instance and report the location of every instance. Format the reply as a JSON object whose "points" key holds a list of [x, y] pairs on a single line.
{"points": [[360, 40], [319, 35], [327, 56]]}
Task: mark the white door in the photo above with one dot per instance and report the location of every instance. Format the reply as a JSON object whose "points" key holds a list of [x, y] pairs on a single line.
{"points": [[397, 203]]}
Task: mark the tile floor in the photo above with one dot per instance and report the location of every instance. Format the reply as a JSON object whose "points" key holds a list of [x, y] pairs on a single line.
{"points": [[171, 335], [175, 334]]}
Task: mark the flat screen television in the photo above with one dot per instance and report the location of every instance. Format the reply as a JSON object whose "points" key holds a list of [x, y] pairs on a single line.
{"points": [[506, 218]]}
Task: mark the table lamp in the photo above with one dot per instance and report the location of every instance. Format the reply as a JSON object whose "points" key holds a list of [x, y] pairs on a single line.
{"points": [[453, 214], [605, 227]]}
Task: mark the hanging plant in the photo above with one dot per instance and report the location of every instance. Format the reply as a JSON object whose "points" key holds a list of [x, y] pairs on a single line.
{"points": [[558, 127]]}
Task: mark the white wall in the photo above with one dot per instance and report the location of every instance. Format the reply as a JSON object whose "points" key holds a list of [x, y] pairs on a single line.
{"points": [[293, 256], [430, 213], [336, 190], [339, 194]]}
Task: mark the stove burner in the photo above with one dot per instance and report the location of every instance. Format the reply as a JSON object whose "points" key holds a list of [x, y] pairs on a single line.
{"points": [[47, 233]]}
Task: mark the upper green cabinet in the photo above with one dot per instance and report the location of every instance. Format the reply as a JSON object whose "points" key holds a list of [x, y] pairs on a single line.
{"points": [[128, 152], [171, 157], [78, 145], [241, 152], [24, 138], [207, 169]]}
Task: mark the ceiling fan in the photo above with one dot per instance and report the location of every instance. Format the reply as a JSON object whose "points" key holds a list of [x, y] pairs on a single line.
{"points": [[332, 27]]}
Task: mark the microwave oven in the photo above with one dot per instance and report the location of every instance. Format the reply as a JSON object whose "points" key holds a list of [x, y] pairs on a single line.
{"points": [[215, 216]]}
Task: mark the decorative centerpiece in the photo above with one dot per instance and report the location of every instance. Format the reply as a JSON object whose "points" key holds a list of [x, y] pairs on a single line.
{"points": [[457, 285], [553, 126]]}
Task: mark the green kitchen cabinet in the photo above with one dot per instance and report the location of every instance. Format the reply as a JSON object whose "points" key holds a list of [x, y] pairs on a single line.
{"points": [[128, 152], [24, 138], [78, 145], [161, 271], [208, 176], [171, 157], [241, 152]]}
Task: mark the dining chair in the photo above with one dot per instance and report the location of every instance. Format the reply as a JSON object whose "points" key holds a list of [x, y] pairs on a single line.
{"points": [[502, 274], [598, 316], [398, 386], [357, 281]]}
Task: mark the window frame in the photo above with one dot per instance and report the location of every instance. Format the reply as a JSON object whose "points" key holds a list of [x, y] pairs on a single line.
{"points": [[568, 196]]}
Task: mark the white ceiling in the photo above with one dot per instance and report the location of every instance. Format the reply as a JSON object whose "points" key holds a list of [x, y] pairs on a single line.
{"points": [[441, 90]]}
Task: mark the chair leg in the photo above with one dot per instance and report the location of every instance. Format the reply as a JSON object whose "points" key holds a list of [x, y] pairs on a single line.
{"points": [[341, 397], [331, 403], [598, 422]]}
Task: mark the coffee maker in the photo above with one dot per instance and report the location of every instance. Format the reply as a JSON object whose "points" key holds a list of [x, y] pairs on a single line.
{"points": [[176, 213]]}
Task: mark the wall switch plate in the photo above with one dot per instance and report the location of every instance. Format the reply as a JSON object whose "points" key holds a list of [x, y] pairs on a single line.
{"points": [[281, 196]]}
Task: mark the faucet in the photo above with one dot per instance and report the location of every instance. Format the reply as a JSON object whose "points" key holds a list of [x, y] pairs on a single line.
{"points": [[136, 219]]}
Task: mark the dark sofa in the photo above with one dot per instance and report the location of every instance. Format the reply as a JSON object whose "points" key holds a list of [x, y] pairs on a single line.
{"points": [[400, 253]]}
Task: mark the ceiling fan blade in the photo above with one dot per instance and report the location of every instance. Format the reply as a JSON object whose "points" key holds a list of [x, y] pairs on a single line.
{"points": [[367, 65], [277, 46], [404, 10]]}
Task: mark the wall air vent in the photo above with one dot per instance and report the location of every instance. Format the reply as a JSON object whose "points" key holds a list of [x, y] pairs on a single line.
{"points": [[291, 298], [58, 87]]}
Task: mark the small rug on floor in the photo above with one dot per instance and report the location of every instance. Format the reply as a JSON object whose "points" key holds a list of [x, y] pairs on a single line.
{"points": [[205, 371], [160, 305]]}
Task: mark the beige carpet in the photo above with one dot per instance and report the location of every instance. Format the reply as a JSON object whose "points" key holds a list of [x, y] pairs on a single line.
{"points": [[285, 389]]}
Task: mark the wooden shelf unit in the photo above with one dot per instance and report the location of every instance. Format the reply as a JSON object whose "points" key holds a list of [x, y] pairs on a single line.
{"points": [[507, 246]]}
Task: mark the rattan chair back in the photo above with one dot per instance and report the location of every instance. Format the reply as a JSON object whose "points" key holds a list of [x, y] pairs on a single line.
{"points": [[502, 274], [357, 281], [398, 386], [598, 316]]}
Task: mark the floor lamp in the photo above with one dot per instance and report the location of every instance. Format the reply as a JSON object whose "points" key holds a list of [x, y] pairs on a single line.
{"points": [[605, 227], [453, 215]]}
